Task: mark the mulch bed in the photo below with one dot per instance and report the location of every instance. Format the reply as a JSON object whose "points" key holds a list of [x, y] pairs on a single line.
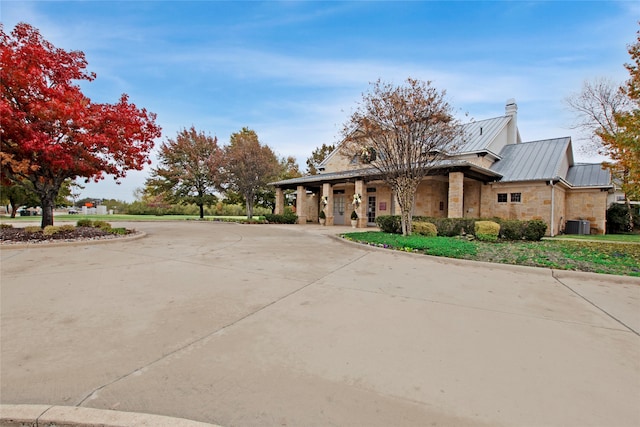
{"points": [[19, 235]]}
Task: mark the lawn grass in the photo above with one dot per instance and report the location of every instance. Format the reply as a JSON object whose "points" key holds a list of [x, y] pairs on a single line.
{"points": [[597, 257], [629, 238], [120, 217]]}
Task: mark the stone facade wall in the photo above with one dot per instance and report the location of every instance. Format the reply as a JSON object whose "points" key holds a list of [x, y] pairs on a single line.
{"points": [[430, 196], [590, 205], [472, 197], [535, 201]]}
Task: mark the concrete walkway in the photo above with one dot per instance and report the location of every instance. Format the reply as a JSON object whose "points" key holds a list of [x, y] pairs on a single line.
{"points": [[242, 325]]}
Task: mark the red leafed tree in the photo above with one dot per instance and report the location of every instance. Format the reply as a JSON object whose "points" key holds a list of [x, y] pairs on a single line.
{"points": [[50, 131]]}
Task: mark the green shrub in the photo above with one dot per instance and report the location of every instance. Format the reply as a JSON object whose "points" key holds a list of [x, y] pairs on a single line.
{"points": [[389, 223], [535, 230], [67, 227], [286, 218], [118, 230], [6, 226], [487, 231], [451, 227], [33, 229], [354, 215], [50, 230], [102, 225], [322, 215], [84, 223], [423, 228], [618, 219], [512, 229]]}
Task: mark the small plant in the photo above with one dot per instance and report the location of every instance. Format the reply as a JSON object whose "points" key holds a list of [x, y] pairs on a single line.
{"points": [[118, 230], [535, 230], [487, 231], [2, 226], [512, 229], [50, 230], [32, 229], [322, 215], [84, 223], [424, 228], [354, 215], [389, 223], [67, 227], [102, 225]]}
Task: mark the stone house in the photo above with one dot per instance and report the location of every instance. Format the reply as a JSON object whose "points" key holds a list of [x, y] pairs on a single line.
{"points": [[492, 174]]}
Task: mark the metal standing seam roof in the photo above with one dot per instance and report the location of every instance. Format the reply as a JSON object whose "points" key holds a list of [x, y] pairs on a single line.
{"points": [[532, 161], [478, 136], [589, 175]]}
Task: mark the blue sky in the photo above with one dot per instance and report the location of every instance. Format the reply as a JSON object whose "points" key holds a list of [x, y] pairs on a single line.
{"points": [[293, 71]]}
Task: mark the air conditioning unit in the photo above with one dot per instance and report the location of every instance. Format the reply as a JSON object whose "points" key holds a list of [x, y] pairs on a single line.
{"points": [[577, 226]]}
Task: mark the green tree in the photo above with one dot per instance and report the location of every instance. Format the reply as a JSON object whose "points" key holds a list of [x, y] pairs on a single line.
{"points": [[249, 166], [189, 170], [317, 157], [289, 169], [402, 132]]}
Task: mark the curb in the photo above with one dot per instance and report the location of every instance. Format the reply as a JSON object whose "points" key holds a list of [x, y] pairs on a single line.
{"points": [[138, 235], [73, 416]]}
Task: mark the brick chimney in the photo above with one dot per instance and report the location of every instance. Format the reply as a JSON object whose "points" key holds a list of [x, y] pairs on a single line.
{"points": [[511, 109]]}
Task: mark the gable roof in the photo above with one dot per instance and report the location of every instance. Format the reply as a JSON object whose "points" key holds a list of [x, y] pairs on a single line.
{"points": [[589, 175], [533, 161], [477, 136]]}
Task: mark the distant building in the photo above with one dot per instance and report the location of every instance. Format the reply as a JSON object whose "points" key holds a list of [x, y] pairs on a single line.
{"points": [[492, 174]]}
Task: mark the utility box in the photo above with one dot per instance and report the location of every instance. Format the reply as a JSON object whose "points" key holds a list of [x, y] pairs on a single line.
{"points": [[577, 226]]}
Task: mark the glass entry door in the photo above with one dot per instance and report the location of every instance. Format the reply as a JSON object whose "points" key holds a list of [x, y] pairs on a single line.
{"points": [[338, 209], [371, 211]]}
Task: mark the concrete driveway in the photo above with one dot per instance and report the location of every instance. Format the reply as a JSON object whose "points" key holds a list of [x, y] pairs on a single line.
{"points": [[243, 325]]}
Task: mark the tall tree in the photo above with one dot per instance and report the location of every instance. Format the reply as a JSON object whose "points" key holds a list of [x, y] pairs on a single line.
{"points": [[189, 170], [317, 157], [403, 132], [289, 169], [624, 147], [611, 117], [51, 131], [249, 166]]}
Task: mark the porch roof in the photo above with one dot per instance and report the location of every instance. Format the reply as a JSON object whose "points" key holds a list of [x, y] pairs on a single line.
{"points": [[370, 174]]}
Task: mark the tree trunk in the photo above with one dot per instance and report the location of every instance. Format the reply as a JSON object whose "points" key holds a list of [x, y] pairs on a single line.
{"points": [[47, 203], [249, 204], [630, 214], [48, 193], [405, 189], [201, 206], [14, 208]]}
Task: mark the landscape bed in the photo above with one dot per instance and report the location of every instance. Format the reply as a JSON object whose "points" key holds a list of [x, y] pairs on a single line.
{"points": [[597, 257]]}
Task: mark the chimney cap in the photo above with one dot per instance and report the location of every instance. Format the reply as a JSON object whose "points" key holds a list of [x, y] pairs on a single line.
{"points": [[511, 101]]}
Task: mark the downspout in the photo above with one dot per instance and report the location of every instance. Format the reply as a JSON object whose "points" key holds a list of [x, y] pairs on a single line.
{"points": [[552, 206]]}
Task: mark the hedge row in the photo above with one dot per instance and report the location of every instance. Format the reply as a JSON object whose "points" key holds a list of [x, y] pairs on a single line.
{"points": [[510, 229]]}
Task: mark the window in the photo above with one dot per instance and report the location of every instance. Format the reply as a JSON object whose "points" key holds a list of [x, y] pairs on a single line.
{"points": [[502, 197], [441, 206], [516, 197]]}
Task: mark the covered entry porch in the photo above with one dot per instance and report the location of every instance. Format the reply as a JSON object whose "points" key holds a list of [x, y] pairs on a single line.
{"points": [[453, 192]]}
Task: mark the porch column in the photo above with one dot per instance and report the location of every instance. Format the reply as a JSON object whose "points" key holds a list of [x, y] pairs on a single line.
{"points": [[327, 191], [301, 211], [456, 195], [279, 210], [361, 209]]}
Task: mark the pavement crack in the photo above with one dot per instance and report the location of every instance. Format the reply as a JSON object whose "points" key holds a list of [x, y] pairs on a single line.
{"points": [[213, 333], [594, 304]]}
